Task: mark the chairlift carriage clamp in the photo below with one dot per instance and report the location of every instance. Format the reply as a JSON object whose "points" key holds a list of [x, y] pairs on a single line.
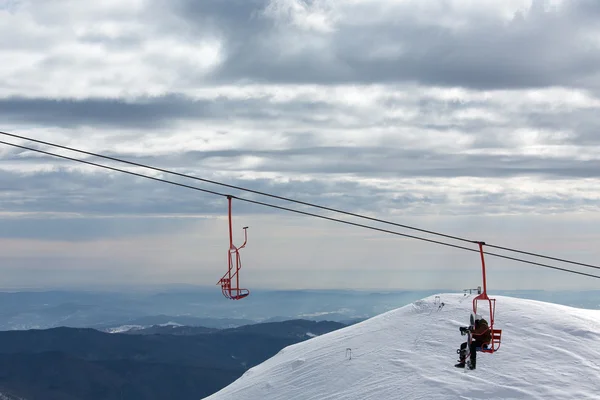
{"points": [[230, 282]]}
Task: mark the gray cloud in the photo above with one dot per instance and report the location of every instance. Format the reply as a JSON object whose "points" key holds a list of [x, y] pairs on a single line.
{"points": [[72, 191], [149, 113], [537, 48], [231, 18], [85, 229], [303, 122], [64, 191], [358, 161], [366, 43], [100, 193], [583, 125], [371, 162], [303, 162]]}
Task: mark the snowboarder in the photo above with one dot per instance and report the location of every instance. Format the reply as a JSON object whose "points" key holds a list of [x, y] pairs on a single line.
{"points": [[480, 334]]}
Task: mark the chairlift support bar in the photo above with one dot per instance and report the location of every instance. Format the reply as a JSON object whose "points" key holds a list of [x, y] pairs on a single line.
{"points": [[483, 266]]}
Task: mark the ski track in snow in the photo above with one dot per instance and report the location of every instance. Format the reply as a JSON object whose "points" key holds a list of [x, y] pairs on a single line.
{"points": [[548, 351]]}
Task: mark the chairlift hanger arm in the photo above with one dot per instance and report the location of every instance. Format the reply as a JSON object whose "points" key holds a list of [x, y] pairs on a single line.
{"points": [[230, 282]]}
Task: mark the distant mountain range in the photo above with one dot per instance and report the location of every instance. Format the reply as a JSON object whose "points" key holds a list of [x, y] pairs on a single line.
{"points": [[169, 330], [159, 362], [294, 329], [191, 307], [208, 308], [172, 320]]}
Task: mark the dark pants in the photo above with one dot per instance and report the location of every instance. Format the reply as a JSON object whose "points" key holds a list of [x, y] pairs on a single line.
{"points": [[472, 351]]}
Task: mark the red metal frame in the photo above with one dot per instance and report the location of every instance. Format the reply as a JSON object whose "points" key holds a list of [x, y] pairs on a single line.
{"points": [[233, 292], [494, 345]]}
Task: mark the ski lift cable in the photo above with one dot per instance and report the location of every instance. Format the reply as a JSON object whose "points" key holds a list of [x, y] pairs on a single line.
{"points": [[292, 210], [297, 201]]}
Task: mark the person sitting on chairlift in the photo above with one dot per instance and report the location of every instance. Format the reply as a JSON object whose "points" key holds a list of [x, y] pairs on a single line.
{"points": [[481, 334]]}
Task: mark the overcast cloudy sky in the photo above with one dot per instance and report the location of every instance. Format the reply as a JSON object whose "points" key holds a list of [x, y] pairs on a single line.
{"points": [[477, 119]]}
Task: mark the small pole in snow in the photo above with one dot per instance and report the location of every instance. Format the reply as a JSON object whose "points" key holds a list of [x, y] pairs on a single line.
{"points": [[349, 353]]}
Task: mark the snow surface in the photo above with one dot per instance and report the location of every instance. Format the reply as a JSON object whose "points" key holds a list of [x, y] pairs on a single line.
{"points": [[548, 351]]}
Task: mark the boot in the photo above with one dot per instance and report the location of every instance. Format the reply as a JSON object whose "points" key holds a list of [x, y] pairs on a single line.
{"points": [[471, 363], [462, 356]]}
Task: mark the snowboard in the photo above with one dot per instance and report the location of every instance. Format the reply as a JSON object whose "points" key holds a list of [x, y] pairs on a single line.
{"points": [[468, 353]]}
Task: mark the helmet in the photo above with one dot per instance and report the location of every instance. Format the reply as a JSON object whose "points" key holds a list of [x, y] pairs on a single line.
{"points": [[478, 317]]}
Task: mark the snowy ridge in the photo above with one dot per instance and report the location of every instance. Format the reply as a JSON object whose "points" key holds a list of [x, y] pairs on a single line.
{"points": [[548, 351], [171, 324], [124, 328], [129, 328]]}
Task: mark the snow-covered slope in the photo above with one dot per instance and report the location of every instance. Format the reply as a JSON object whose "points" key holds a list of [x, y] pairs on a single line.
{"points": [[548, 351]]}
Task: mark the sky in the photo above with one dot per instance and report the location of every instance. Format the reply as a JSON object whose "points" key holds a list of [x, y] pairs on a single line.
{"points": [[474, 119]]}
